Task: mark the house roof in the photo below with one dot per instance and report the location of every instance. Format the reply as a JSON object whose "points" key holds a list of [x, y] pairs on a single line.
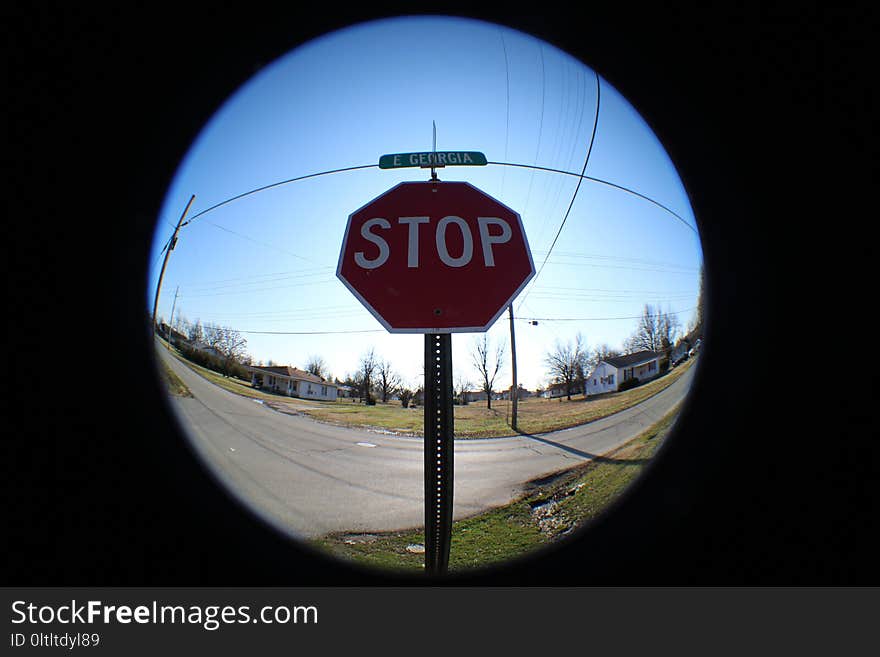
{"points": [[630, 360], [293, 373], [560, 385]]}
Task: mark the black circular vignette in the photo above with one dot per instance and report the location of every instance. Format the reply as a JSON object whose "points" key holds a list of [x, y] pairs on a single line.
{"points": [[104, 491]]}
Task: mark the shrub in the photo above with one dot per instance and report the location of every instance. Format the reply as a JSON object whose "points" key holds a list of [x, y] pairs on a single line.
{"points": [[212, 362], [629, 383], [405, 397]]}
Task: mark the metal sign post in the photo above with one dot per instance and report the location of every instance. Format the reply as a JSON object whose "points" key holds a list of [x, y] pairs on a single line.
{"points": [[439, 450], [407, 255]]}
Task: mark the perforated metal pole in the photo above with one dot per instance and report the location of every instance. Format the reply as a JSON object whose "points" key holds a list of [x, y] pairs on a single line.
{"points": [[439, 430], [514, 389]]}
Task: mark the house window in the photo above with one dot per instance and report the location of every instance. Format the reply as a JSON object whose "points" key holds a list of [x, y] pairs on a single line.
{"points": [[324, 391], [611, 379], [652, 366]]}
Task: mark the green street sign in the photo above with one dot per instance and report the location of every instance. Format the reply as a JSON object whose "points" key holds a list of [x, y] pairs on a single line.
{"points": [[430, 159]]}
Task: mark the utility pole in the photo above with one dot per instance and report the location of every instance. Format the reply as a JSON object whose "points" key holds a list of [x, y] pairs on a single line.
{"points": [[514, 391], [171, 319], [168, 251]]}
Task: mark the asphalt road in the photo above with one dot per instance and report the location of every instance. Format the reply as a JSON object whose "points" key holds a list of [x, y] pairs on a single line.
{"points": [[310, 478]]}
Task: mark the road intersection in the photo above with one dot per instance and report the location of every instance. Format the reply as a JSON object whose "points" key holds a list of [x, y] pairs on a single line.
{"points": [[309, 478]]}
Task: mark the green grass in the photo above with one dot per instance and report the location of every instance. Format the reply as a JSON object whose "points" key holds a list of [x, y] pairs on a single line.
{"points": [[173, 383], [570, 499]]}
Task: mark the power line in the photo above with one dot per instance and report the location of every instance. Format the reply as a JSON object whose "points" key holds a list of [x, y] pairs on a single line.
{"points": [[583, 104], [593, 319], [540, 125], [290, 311], [605, 256], [279, 275], [550, 199], [277, 184], [580, 176], [312, 332], [529, 319], [580, 179], [156, 261], [263, 244], [630, 267], [603, 182], [264, 289], [615, 291], [507, 115], [607, 299]]}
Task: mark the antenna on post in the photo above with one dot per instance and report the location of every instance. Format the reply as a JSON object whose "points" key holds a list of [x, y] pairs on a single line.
{"points": [[434, 153]]}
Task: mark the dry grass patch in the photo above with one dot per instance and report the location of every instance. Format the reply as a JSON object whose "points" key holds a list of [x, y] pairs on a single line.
{"points": [[535, 415]]}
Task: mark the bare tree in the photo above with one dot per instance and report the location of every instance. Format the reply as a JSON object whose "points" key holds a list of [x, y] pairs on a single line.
{"points": [[231, 347], [387, 380], [600, 353], [364, 376], [655, 331], [406, 396], [488, 363], [667, 327], [317, 366], [181, 324], [213, 334], [462, 385], [195, 332], [695, 329], [568, 363]]}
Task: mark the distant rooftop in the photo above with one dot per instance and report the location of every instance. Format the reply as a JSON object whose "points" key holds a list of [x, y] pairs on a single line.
{"points": [[630, 360], [292, 372]]}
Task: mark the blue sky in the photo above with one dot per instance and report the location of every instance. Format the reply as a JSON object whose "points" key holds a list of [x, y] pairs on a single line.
{"points": [[267, 262]]}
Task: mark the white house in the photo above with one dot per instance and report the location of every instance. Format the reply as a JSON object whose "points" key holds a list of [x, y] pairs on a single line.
{"points": [[292, 382], [556, 390], [475, 395], [343, 390], [611, 372], [201, 346], [522, 393]]}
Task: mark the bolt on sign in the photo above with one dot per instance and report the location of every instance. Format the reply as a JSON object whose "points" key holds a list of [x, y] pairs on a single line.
{"points": [[435, 257]]}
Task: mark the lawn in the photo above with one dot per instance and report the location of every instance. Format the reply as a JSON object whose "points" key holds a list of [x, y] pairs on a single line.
{"points": [[173, 383], [535, 415]]}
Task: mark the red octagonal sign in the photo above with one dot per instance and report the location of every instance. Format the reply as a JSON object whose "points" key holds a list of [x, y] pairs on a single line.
{"points": [[435, 257]]}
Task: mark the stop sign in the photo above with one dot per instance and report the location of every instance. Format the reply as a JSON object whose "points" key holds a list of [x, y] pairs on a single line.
{"points": [[435, 257]]}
